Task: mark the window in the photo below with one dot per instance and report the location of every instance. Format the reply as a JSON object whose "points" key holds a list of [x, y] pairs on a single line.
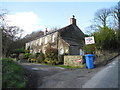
{"points": [[81, 52], [53, 38], [40, 41], [45, 40], [61, 51], [27, 44], [36, 42]]}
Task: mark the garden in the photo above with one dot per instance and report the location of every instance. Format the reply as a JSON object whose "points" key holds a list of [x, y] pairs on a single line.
{"points": [[50, 57]]}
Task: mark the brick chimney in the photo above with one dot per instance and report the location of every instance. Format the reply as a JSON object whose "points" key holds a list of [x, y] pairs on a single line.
{"points": [[73, 20], [46, 31]]}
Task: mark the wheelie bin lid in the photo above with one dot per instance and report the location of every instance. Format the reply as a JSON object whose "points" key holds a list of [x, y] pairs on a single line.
{"points": [[89, 55]]}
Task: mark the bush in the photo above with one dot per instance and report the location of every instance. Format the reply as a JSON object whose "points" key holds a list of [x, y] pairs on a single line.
{"points": [[32, 58], [40, 57], [61, 59], [7, 59], [105, 38], [37, 54], [89, 49], [21, 56], [18, 51], [51, 55], [51, 62], [13, 55], [12, 75], [27, 55], [27, 51]]}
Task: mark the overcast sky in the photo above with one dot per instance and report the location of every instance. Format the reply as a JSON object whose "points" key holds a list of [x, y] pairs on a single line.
{"points": [[32, 16]]}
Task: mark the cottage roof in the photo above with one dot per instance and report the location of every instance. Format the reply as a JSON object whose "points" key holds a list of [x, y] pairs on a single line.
{"points": [[72, 42], [68, 33], [63, 31], [59, 30]]}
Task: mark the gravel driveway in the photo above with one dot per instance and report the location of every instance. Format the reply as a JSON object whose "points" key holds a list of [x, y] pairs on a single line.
{"points": [[45, 76]]}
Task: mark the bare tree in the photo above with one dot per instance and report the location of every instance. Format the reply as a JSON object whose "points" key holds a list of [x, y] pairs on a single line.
{"points": [[3, 12], [114, 17], [8, 34], [101, 16], [119, 20]]}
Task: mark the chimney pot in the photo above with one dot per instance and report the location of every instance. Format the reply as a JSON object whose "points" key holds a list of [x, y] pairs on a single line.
{"points": [[73, 20], [46, 31]]}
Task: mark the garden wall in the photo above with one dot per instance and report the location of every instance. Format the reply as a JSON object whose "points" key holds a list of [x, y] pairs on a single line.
{"points": [[102, 58], [73, 60]]}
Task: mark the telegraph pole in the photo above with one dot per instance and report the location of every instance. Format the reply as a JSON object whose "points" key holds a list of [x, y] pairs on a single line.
{"points": [[119, 25], [119, 19]]}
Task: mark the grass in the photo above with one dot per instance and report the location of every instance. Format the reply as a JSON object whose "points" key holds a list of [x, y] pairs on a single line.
{"points": [[71, 67], [67, 67], [13, 75]]}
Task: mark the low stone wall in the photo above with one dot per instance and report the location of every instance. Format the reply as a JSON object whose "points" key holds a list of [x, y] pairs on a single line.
{"points": [[104, 57], [73, 60]]}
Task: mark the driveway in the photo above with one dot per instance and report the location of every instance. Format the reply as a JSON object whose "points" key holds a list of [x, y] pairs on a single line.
{"points": [[36, 73], [45, 76]]}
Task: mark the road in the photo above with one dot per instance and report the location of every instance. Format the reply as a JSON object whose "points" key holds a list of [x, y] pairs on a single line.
{"points": [[44, 76], [36, 73], [106, 78]]}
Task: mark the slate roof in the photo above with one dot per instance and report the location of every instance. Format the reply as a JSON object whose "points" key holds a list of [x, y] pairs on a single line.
{"points": [[72, 42], [59, 30], [63, 31]]}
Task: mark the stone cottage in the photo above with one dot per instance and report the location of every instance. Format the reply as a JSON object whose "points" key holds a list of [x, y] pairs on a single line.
{"points": [[68, 40]]}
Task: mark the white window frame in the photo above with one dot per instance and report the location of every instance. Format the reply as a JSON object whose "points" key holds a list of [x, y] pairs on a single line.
{"points": [[27, 46], [45, 40], [40, 41], [35, 42], [53, 38]]}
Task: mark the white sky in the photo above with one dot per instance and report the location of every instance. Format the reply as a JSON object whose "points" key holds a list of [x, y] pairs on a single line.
{"points": [[27, 21]]}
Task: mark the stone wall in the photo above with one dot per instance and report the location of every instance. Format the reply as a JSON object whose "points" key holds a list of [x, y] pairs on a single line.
{"points": [[103, 57], [73, 60]]}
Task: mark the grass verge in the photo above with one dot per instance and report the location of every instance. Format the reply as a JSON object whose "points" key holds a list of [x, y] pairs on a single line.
{"points": [[65, 66], [72, 67], [13, 75]]}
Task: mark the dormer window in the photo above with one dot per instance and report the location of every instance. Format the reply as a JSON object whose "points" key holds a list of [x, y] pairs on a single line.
{"points": [[45, 40], [53, 38]]}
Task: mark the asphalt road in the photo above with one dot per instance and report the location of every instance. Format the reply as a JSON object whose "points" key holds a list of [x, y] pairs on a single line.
{"points": [[44, 76], [36, 73], [106, 78]]}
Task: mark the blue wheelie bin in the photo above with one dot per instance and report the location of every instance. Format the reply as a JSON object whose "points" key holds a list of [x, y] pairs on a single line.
{"points": [[89, 61]]}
